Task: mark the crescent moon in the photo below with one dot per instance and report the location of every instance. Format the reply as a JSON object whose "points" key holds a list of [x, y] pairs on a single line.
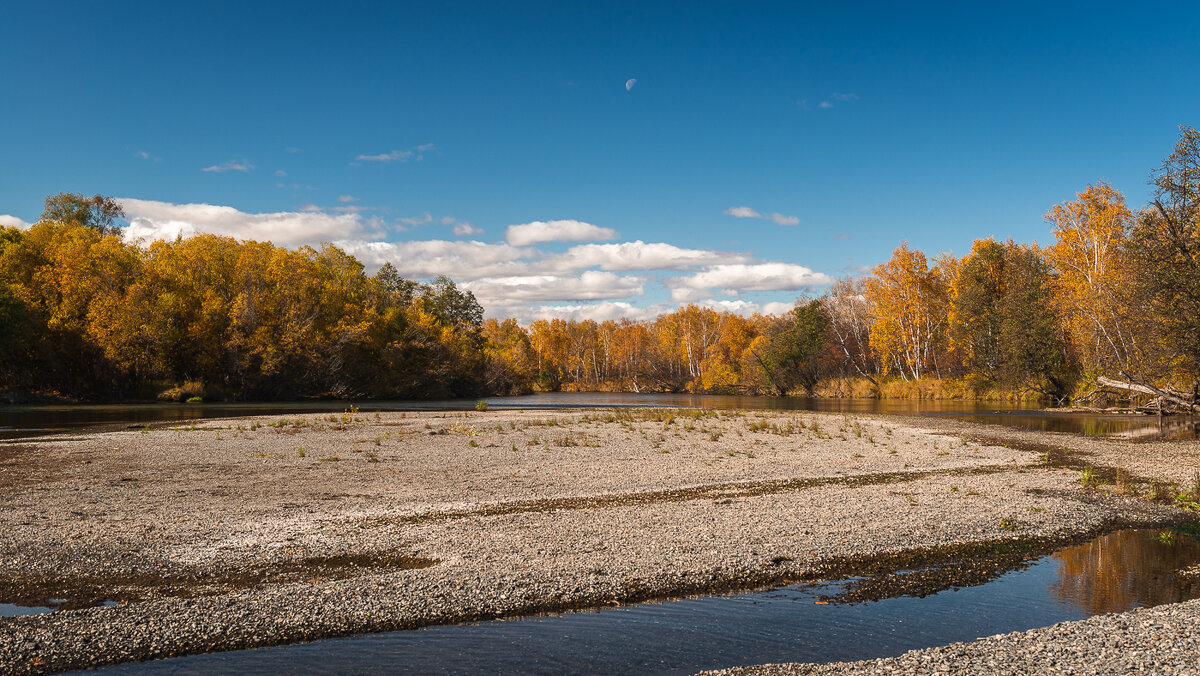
{"points": [[629, 83]]}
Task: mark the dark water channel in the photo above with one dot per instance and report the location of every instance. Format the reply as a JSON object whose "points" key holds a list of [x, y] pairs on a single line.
{"points": [[1117, 572], [24, 421]]}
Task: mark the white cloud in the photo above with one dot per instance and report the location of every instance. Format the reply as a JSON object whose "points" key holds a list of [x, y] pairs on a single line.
{"points": [[13, 222], [416, 153], [599, 312], [639, 255], [591, 285], [231, 165], [826, 104], [845, 97], [733, 280], [747, 212], [280, 172], [152, 220], [586, 281], [556, 231], [143, 154], [346, 198], [745, 307], [462, 260]]}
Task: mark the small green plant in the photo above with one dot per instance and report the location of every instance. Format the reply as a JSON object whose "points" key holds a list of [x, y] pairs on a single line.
{"points": [[513, 447], [1008, 524], [331, 458], [715, 436], [300, 452], [195, 400], [372, 458], [954, 489], [481, 405], [1089, 478], [473, 444], [1167, 537]]}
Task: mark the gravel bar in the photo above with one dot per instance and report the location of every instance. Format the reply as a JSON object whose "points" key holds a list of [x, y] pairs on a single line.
{"points": [[249, 532]]}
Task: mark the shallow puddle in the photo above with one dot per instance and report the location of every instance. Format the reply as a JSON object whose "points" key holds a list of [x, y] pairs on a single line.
{"points": [[1113, 573], [13, 610]]}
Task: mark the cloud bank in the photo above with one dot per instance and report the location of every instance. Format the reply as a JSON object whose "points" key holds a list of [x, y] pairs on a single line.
{"points": [[516, 277]]}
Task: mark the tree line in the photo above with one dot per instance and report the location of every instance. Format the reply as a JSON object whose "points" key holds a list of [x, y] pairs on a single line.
{"points": [[1114, 299]]}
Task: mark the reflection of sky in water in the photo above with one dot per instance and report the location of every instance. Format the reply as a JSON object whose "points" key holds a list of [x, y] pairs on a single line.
{"points": [[25, 420], [1118, 572]]}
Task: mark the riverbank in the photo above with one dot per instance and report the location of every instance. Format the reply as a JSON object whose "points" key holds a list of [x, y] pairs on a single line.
{"points": [[256, 531]]}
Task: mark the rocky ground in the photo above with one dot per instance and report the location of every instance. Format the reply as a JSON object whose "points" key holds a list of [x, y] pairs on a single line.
{"points": [[257, 531], [1161, 640]]}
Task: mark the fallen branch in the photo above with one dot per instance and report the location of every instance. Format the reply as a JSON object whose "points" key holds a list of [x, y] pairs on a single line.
{"points": [[1143, 388]]}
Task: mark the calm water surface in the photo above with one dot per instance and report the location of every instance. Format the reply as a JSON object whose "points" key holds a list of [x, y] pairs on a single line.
{"points": [[1118, 572], [20, 421]]}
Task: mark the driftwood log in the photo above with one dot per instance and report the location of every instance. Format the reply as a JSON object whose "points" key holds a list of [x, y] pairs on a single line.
{"points": [[1169, 399]]}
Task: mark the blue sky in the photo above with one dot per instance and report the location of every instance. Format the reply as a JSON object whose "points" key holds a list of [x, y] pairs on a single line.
{"points": [[420, 133]]}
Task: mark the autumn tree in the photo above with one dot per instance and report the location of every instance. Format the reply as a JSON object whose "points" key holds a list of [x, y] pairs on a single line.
{"points": [[97, 212], [1031, 347], [1165, 246], [510, 359], [850, 316], [793, 351], [909, 300], [976, 312], [1096, 289]]}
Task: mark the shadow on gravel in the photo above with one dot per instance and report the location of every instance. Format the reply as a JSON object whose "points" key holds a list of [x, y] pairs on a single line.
{"points": [[85, 591]]}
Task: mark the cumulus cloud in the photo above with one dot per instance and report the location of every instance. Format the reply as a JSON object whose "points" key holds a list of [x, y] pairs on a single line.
{"points": [[639, 255], [591, 285], [510, 278], [538, 232], [733, 280], [747, 212], [152, 220], [460, 259], [12, 222], [416, 153], [746, 307], [602, 311], [231, 165]]}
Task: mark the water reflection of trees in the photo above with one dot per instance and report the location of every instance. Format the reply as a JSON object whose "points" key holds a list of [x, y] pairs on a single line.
{"points": [[1125, 570], [1181, 427]]}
